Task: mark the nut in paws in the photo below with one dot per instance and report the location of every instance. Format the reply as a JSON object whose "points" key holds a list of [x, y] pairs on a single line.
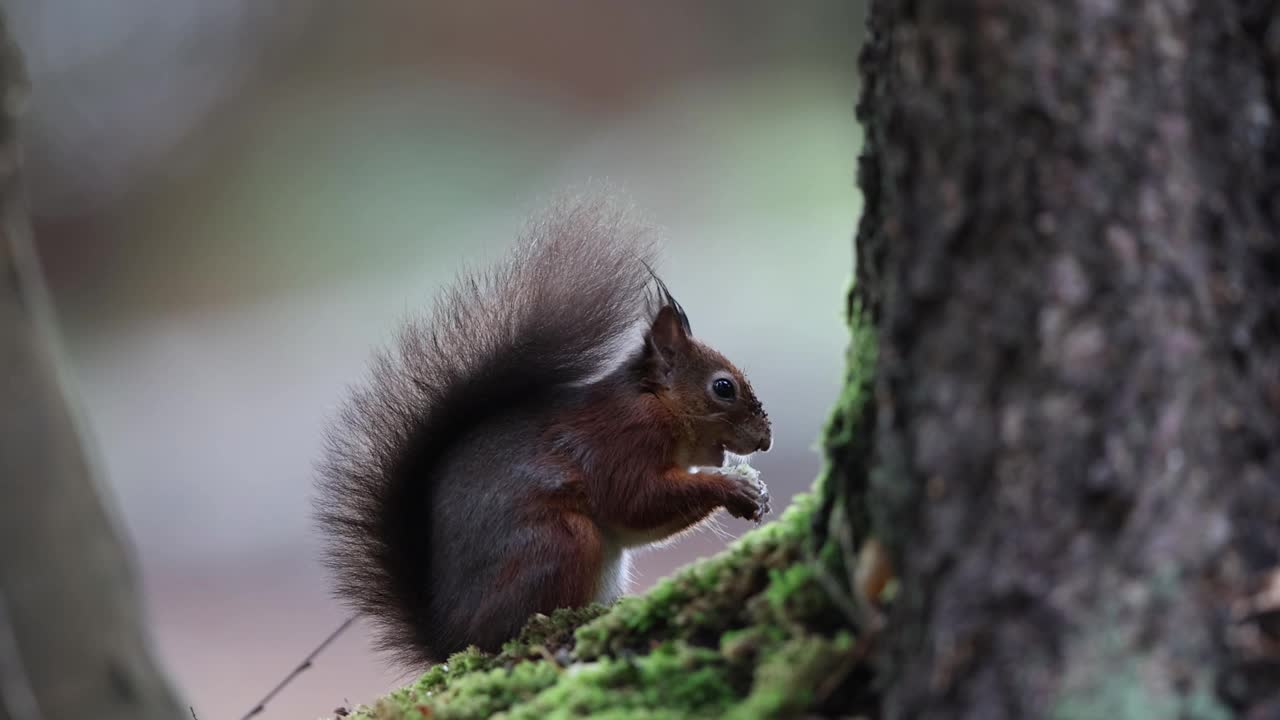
{"points": [[752, 494]]}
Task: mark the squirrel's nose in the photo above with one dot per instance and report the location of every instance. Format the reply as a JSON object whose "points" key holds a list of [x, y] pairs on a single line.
{"points": [[765, 444]]}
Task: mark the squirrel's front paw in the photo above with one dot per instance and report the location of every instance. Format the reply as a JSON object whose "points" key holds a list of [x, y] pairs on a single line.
{"points": [[750, 498]]}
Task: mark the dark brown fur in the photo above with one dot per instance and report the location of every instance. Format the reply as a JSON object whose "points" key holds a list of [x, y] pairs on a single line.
{"points": [[495, 466]]}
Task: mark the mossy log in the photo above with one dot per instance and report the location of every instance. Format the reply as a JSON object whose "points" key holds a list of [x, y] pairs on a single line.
{"points": [[750, 633]]}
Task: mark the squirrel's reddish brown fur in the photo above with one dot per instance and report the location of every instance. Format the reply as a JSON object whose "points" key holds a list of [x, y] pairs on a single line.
{"points": [[544, 419]]}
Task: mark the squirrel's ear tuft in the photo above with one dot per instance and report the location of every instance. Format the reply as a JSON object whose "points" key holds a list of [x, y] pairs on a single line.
{"points": [[665, 296], [667, 336]]}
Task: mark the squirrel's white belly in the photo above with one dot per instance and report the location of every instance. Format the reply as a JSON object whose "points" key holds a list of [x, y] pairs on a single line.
{"points": [[615, 573]]}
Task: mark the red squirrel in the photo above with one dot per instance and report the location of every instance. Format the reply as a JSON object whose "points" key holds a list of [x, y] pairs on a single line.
{"points": [[552, 413]]}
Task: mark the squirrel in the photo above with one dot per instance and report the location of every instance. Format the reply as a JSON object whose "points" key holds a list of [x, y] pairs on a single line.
{"points": [[551, 414]]}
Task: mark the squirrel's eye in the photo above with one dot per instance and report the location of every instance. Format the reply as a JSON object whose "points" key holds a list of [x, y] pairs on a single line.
{"points": [[723, 388]]}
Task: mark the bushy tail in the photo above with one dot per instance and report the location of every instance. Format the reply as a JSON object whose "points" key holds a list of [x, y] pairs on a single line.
{"points": [[553, 313]]}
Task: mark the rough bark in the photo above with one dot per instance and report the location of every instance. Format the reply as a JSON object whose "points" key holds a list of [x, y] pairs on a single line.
{"points": [[1070, 258], [72, 642]]}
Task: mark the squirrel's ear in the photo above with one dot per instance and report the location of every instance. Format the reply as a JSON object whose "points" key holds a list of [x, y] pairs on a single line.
{"points": [[667, 335]]}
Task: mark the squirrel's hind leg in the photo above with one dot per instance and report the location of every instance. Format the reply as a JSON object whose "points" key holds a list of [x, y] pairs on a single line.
{"points": [[560, 565]]}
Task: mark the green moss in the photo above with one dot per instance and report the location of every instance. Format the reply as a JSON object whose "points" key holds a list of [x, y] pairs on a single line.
{"points": [[458, 664], [546, 634], [793, 595], [847, 438], [706, 598], [743, 634], [483, 694], [470, 685], [794, 676], [675, 680], [1112, 675], [787, 583], [1123, 694], [844, 427]]}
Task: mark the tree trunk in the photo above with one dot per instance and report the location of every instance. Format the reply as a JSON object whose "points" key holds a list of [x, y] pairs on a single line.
{"points": [[72, 643], [1070, 260]]}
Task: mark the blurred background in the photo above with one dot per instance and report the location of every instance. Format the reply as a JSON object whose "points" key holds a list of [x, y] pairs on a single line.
{"points": [[236, 201]]}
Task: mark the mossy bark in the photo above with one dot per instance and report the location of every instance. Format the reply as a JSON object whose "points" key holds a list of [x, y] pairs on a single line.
{"points": [[751, 633], [1070, 254]]}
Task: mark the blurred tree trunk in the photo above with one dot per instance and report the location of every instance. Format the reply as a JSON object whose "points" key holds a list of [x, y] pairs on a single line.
{"points": [[1071, 261], [72, 642]]}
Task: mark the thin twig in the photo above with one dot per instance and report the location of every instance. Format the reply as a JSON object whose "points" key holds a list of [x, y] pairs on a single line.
{"points": [[836, 593], [861, 649], [872, 620], [301, 668], [856, 608]]}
